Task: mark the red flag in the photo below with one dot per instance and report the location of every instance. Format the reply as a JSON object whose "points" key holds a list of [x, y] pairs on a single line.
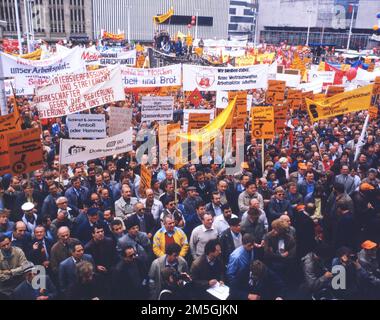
{"points": [[350, 6], [195, 98], [291, 140], [339, 74]]}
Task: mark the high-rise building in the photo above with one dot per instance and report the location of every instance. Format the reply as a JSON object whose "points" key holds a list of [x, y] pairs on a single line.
{"points": [[242, 19], [51, 19], [328, 21]]}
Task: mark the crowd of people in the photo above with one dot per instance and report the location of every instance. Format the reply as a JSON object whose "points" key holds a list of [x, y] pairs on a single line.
{"points": [[274, 230]]}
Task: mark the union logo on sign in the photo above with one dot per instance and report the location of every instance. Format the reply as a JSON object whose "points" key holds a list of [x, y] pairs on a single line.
{"points": [[205, 80]]}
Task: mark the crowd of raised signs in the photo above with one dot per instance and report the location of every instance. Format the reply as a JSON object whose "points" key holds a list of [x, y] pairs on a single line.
{"points": [[284, 226]]}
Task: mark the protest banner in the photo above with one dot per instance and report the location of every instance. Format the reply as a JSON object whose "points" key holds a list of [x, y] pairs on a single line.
{"points": [[68, 94], [280, 119], [308, 95], [119, 121], [321, 76], [198, 120], [74, 150], [366, 75], [86, 125], [24, 151], [30, 74], [155, 77], [10, 123], [157, 108], [276, 92], [186, 114], [351, 101], [11, 84], [126, 58], [4, 154], [262, 122], [214, 79], [333, 90]]}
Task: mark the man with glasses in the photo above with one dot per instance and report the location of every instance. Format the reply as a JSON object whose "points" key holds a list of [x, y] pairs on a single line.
{"points": [[279, 206], [144, 220], [172, 209], [62, 204]]}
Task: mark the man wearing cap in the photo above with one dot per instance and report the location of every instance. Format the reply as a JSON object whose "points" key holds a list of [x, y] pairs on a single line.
{"points": [[368, 260], [29, 217], [298, 176], [11, 260], [26, 289], [230, 239], [191, 201], [136, 239]]}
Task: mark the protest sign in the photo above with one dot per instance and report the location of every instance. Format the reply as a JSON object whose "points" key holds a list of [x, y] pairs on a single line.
{"points": [[321, 76], [351, 101], [214, 79], [294, 99], [186, 113], [30, 74], [146, 179], [24, 151], [155, 77], [157, 108], [333, 90], [292, 80], [198, 120], [120, 120], [262, 122], [86, 125], [280, 119], [276, 92], [68, 94], [74, 150], [240, 115]]}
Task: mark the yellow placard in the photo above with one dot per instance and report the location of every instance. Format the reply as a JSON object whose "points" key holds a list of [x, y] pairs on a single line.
{"points": [[351, 101]]}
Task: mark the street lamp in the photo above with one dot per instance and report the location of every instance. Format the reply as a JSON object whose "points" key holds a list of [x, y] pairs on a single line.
{"points": [[309, 11], [351, 24]]}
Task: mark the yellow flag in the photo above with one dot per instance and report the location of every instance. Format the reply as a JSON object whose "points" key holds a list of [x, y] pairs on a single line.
{"points": [[351, 101], [35, 55], [208, 133], [162, 18]]}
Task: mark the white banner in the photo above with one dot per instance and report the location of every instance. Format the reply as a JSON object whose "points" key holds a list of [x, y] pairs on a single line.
{"points": [[316, 87], [214, 79], [292, 80], [157, 108], [156, 77], [76, 150], [364, 75], [86, 125], [120, 119], [35, 73], [126, 58], [74, 93], [322, 76], [186, 113]]}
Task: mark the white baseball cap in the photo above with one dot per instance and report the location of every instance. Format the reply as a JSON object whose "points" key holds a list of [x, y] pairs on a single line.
{"points": [[27, 206]]}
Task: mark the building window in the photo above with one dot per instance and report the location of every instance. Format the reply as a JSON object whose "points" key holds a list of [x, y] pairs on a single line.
{"points": [[78, 24], [57, 17], [242, 19], [38, 13], [232, 10], [8, 14]]}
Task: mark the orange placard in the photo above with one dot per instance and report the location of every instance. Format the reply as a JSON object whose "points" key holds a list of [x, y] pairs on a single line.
{"points": [[4, 154], [198, 120], [240, 110], [262, 122], [10, 123], [276, 92], [280, 119], [294, 99], [146, 179], [25, 151], [309, 95], [333, 90], [373, 112]]}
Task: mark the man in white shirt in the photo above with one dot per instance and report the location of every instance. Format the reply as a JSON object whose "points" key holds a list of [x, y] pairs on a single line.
{"points": [[155, 206], [201, 235], [124, 207]]}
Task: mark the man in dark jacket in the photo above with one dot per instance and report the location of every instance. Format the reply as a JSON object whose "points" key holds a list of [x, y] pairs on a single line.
{"points": [[130, 277], [304, 225], [207, 270], [41, 246], [279, 206], [49, 206], [144, 220], [230, 239], [203, 187], [102, 250], [260, 284]]}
